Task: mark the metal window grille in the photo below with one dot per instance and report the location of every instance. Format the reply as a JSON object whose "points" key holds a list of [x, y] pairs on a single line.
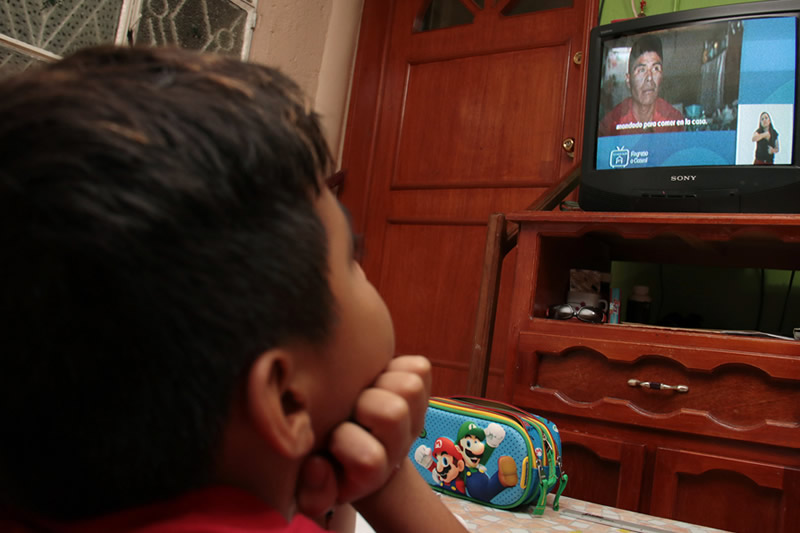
{"points": [[37, 31]]}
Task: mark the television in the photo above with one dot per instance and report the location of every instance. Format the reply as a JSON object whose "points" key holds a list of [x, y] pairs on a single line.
{"points": [[703, 119]]}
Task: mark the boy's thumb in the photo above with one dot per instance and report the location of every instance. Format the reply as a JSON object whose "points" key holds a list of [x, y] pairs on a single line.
{"points": [[317, 488]]}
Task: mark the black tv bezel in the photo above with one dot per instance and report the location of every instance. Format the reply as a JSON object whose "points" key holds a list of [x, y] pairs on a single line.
{"points": [[725, 188]]}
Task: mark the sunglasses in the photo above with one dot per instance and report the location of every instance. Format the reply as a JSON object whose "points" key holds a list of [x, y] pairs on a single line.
{"points": [[594, 315]]}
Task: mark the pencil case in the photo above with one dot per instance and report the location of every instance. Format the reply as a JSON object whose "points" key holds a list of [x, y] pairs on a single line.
{"points": [[490, 452]]}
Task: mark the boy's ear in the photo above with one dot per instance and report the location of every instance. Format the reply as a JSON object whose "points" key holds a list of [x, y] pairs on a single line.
{"points": [[277, 404]]}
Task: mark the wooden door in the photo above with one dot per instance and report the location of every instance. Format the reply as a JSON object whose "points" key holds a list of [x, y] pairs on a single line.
{"points": [[445, 127]]}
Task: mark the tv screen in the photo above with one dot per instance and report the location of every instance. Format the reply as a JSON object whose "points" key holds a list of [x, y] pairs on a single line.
{"points": [[694, 111]]}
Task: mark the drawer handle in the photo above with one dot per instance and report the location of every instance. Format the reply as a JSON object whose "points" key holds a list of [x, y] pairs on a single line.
{"points": [[657, 386]]}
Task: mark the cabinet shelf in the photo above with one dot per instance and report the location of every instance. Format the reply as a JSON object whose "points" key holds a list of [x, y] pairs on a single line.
{"points": [[637, 334]]}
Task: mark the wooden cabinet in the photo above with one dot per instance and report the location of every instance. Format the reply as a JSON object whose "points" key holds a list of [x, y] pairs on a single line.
{"points": [[724, 454]]}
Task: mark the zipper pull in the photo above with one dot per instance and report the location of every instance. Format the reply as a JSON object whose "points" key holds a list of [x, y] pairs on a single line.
{"points": [[562, 484]]}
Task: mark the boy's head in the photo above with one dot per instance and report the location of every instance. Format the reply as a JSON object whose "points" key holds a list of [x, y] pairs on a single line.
{"points": [[165, 231]]}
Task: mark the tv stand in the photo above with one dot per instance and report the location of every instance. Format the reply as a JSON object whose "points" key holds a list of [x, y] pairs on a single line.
{"points": [[725, 453]]}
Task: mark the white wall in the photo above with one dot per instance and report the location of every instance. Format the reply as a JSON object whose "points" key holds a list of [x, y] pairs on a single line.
{"points": [[314, 42]]}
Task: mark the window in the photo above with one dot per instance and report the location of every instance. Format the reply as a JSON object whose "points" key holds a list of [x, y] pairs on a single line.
{"points": [[36, 31]]}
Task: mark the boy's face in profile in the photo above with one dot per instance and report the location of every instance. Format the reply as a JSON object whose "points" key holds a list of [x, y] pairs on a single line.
{"points": [[361, 342]]}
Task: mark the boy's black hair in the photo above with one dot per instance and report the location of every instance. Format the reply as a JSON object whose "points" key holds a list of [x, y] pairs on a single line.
{"points": [[158, 233], [646, 43]]}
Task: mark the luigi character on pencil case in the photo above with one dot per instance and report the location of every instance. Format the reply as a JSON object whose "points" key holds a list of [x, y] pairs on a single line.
{"points": [[477, 446]]}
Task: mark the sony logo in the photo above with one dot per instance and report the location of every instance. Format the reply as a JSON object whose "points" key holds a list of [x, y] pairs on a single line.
{"points": [[682, 178]]}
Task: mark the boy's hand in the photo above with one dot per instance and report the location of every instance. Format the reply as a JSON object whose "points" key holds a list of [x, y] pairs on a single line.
{"points": [[387, 418]]}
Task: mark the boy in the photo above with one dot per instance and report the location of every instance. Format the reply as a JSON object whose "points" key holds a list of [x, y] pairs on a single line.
{"points": [[187, 342]]}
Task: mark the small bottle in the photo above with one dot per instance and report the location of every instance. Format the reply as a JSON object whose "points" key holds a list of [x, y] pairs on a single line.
{"points": [[613, 307], [639, 305]]}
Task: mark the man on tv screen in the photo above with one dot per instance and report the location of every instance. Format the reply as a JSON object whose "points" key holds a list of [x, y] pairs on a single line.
{"points": [[644, 111]]}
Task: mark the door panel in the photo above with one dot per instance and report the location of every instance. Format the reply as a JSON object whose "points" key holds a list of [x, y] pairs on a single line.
{"points": [[757, 496], [603, 470], [461, 206], [446, 127], [431, 286], [507, 124]]}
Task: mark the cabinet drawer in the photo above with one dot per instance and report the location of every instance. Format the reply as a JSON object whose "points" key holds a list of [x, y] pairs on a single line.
{"points": [[732, 394]]}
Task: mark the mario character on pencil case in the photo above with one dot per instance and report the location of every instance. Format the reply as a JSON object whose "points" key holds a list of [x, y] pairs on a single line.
{"points": [[445, 463], [477, 446]]}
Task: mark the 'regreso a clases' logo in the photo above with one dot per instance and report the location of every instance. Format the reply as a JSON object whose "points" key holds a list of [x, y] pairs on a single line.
{"points": [[622, 157], [619, 157]]}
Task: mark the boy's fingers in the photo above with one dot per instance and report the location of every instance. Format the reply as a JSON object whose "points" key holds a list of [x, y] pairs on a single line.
{"points": [[415, 364], [387, 417], [317, 488], [412, 390], [362, 459]]}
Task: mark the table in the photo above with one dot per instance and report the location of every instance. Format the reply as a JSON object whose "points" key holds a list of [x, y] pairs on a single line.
{"points": [[573, 516]]}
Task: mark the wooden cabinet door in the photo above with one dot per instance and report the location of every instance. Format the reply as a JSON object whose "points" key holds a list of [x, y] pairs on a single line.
{"points": [[726, 493], [603, 470], [446, 127]]}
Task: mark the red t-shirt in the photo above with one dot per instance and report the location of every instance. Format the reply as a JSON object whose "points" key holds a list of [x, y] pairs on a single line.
{"points": [[213, 510], [623, 114]]}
